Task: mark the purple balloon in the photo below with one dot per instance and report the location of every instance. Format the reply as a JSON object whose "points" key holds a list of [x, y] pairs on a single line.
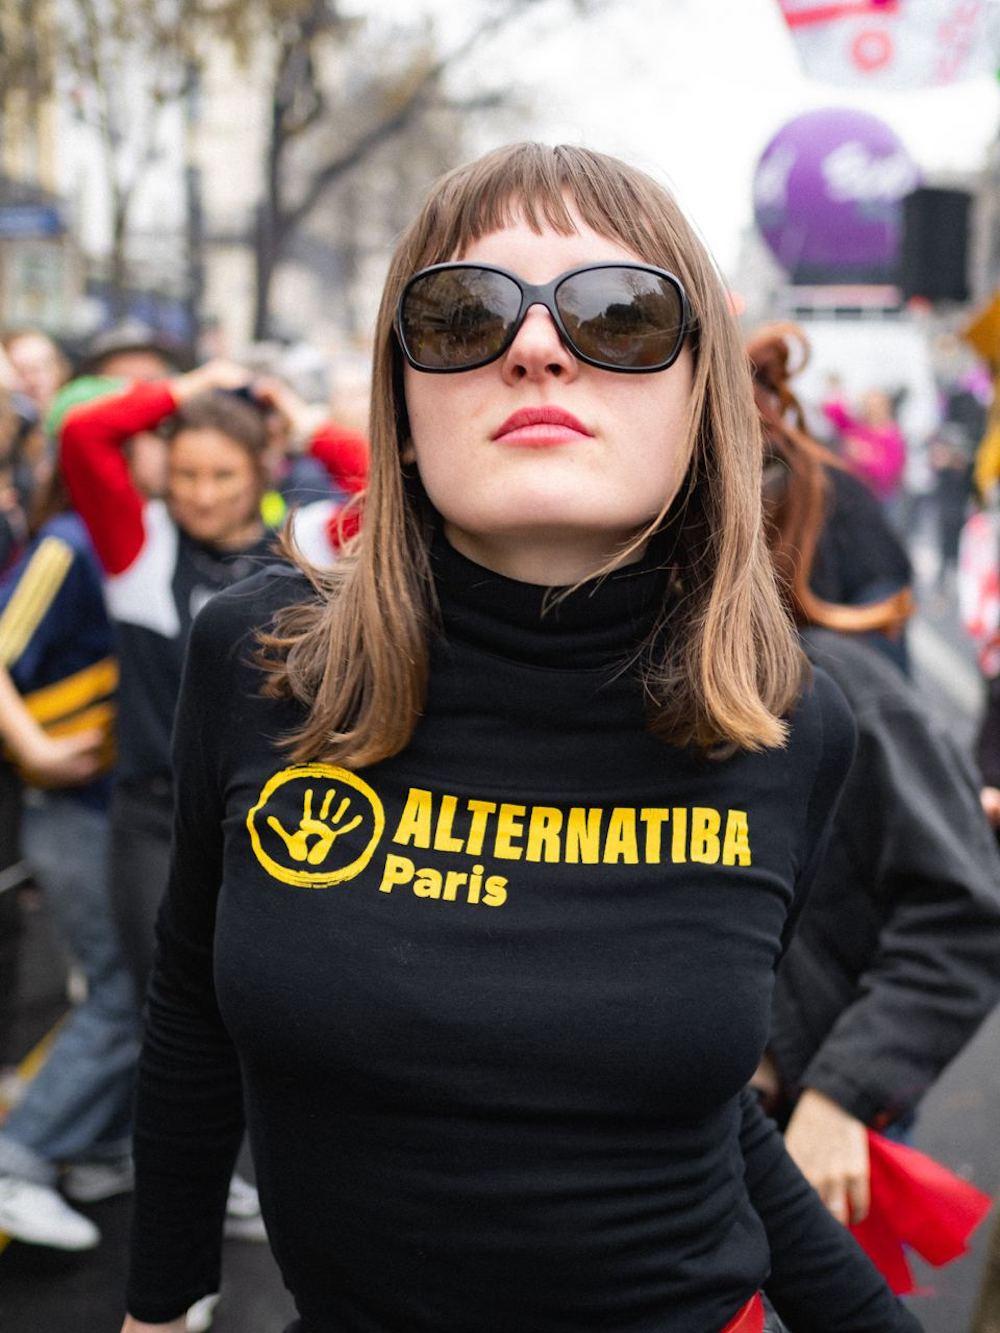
{"points": [[828, 196]]}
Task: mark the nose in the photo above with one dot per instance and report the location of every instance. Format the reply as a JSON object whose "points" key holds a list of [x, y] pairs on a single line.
{"points": [[538, 352], [206, 495]]}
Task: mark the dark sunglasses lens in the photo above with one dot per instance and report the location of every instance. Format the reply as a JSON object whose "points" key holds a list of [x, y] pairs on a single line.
{"points": [[625, 318], [458, 317]]}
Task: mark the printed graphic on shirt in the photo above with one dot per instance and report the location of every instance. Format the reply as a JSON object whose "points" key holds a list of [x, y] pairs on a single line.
{"points": [[300, 826], [316, 825]]}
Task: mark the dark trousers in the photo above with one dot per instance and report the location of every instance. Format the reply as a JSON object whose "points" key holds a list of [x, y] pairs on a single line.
{"points": [[141, 825]]}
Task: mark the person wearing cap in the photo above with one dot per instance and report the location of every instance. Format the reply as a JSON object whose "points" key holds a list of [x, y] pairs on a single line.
{"points": [[133, 351]]}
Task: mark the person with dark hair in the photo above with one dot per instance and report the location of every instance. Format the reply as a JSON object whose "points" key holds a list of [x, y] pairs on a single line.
{"points": [[896, 959], [489, 838]]}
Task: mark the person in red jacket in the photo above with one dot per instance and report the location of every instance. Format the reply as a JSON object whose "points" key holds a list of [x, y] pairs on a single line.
{"points": [[165, 558]]}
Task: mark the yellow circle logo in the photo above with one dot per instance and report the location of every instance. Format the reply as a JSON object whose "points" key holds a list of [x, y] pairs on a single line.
{"points": [[315, 825]]}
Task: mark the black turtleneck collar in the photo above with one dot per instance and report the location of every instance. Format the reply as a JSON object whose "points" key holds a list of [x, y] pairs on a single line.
{"points": [[603, 621]]}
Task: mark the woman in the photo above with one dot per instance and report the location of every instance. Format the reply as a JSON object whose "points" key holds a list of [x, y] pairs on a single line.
{"points": [[896, 959], [842, 565], [510, 822], [873, 445], [162, 559]]}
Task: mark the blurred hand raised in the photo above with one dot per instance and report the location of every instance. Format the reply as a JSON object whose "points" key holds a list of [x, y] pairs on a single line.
{"points": [[218, 374]]}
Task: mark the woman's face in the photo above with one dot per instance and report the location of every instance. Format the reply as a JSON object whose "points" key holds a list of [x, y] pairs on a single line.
{"points": [[213, 488], [548, 506], [40, 367]]}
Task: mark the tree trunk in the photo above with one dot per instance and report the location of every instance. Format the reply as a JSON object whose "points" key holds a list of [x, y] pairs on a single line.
{"points": [[268, 237], [266, 258], [118, 275]]}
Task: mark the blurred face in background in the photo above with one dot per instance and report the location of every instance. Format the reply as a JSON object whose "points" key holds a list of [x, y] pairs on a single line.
{"points": [[137, 363], [214, 488], [40, 367]]}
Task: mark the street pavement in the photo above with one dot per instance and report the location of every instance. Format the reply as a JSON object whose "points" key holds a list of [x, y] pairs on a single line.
{"points": [[42, 1291]]}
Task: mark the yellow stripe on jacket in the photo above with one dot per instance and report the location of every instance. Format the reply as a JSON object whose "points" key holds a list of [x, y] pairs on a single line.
{"points": [[53, 702], [35, 592], [82, 702]]}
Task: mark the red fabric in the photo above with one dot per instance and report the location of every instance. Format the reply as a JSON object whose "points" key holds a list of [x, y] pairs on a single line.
{"points": [[344, 454], [750, 1319], [96, 470], [915, 1201]]}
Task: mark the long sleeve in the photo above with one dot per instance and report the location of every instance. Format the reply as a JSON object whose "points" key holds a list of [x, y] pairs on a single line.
{"points": [[911, 827], [821, 1279], [25, 602], [344, 455], [97, 473], [838, 416], [189, 1114]]}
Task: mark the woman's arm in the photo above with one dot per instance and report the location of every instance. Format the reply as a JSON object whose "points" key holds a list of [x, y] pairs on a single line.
{"points": [[96, 470], [55, 761], [836, 412], [51, 571], [821, 1279], [915, 834], [189, 1113]]}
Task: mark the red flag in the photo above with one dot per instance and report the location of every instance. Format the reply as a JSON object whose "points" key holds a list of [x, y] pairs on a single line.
{"points": [[918, 1202]]}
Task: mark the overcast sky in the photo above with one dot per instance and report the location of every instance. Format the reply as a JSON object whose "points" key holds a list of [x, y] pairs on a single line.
{"points": [[692, 90]]}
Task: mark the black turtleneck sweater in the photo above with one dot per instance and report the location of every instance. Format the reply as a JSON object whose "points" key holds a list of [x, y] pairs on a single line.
{"points": [[490, 1004]]}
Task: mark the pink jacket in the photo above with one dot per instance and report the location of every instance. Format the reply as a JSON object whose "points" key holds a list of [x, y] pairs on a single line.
{"points": [[876, 454]]}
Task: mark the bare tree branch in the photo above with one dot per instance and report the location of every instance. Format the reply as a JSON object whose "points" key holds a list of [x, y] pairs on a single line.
{"points": [[415, 101]]}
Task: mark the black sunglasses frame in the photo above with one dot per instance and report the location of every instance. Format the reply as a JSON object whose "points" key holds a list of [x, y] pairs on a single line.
{"points": [[545, 294]]}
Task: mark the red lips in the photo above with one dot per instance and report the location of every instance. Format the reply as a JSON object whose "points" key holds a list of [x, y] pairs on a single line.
{"points": [[540, 426]]}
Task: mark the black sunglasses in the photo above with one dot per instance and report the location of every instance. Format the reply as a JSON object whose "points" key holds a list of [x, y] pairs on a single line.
{"points": [[626, 317]]}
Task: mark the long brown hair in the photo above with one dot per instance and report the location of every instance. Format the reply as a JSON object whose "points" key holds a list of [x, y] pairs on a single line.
{"points": [[729, 668], [797, 512]]}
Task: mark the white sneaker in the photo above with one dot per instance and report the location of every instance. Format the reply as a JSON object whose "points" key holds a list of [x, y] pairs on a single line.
{"points": [[243, 1219], [39, 1215], [90, 1182], [202, 1313]]}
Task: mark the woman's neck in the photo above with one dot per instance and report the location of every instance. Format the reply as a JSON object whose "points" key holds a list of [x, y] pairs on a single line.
{"points": [[550, 562], [241, 537]]}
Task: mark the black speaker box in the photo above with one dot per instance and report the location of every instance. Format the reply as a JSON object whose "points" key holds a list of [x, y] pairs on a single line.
{"points": [[934, 252]]}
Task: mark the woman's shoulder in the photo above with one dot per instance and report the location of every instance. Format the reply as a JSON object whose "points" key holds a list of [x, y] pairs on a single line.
{"points": [[246, 608], [822, 725]]}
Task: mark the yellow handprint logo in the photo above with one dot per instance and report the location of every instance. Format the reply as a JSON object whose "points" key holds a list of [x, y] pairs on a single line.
{"points": [[311, 847], [324, 833]]}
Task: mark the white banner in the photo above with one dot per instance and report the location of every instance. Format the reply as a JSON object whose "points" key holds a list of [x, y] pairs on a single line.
{"points": [[895, 43]]}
